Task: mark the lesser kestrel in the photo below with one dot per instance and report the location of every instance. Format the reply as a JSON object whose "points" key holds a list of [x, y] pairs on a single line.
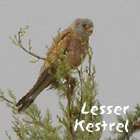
{"points": [[72, 41]]}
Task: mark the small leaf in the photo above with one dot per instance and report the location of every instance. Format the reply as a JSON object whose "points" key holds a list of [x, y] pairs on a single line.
{"points": [[34, 61]]}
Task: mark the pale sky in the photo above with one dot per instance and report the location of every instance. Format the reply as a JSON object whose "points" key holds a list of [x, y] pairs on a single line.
{"points": [[115, 42]]}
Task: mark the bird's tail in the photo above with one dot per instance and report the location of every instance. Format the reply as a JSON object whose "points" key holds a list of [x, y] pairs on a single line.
{"points": [[43, 81], [26, 101]]}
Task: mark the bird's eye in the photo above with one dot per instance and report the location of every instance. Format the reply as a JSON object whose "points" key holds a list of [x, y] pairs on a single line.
{"points": [[84, 25]]}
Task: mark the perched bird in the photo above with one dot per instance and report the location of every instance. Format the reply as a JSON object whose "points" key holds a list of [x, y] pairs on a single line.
{"points": [[72, 41]]}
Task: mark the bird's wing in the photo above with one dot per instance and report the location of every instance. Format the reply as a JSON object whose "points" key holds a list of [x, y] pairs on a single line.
{"points": [[61, 41]]}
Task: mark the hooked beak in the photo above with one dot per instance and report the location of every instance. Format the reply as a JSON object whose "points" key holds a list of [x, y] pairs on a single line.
{"points": [[90, 30]]}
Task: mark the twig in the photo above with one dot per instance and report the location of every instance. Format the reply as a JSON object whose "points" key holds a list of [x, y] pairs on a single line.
{"points": [[29, 52], [3, 98], [69, 94], [17, 41]]}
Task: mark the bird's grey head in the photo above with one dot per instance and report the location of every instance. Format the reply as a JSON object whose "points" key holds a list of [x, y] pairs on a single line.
{"points": [[82, 26]]}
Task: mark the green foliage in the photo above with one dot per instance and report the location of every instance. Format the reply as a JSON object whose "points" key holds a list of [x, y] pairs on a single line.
{"points": [[31, 125], [133, 126]]}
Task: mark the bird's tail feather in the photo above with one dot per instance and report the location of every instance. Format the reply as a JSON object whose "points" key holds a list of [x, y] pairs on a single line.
{"points": [[26, 101], [43, 81]]}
